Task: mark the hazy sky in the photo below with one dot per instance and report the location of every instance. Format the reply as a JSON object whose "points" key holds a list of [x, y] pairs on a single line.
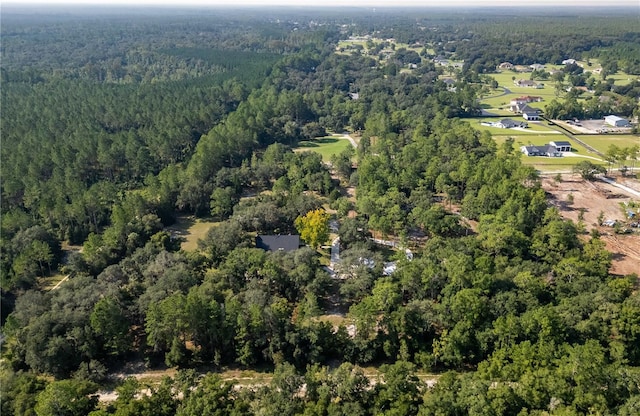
{"points": [[374, 3]]}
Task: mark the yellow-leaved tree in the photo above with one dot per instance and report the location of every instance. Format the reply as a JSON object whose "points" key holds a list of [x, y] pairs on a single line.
{"points": [[313, 227]]}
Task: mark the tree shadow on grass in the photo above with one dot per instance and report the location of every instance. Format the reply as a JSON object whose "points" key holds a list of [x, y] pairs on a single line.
{"points": [[317, 142]]}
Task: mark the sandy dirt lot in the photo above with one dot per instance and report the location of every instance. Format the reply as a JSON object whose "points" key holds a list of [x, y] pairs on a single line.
{"points": [[594, 198]]}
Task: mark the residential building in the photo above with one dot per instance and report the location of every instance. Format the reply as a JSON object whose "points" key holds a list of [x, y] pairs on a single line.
{"points": [[530, 114], [278, 242], [547, 150], [507, 123], [527, 83], [561, 145]]}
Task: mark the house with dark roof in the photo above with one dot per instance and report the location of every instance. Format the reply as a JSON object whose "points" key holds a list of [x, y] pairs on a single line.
{"points": [[527, 83], [528, 99], [449, 81], [278, 242], [507, 123], [547, 150]]}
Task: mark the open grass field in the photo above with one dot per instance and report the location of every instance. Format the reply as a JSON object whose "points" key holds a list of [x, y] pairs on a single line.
{"points": [[603, 141], [326, 146], [532, 139], [623, 79], [191, 229]]}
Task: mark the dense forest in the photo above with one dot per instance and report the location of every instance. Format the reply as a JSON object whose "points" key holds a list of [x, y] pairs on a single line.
{"points": [[115, 125]]}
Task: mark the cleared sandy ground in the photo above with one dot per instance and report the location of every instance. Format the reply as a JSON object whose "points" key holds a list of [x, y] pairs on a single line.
{"points": [[595, 198]]}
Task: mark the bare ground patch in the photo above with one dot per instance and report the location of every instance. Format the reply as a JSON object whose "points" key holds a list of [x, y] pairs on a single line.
{"points": [[574, 195]]}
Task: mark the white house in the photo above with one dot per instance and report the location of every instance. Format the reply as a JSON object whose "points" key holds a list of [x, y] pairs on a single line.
{"points": [[562, 146], [530, 114], [569, 61], [616, 121]]}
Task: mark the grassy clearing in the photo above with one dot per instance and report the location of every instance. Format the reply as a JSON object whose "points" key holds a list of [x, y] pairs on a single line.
{"points": [[49, 282], [622, 79], [335, 320], [326, 146], [602, 142], [191, 229]]}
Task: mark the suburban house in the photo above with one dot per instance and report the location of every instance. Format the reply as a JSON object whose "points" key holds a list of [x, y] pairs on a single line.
{"points": [[562, 146], [616, 121], [507, 123], [506, 65], [522, 68], [569, 61], [520, 107], [441, 60], [516, 106], [530, 114], [580, 88], [528, 83], [278, 242], [528, 99], [547, 150]]}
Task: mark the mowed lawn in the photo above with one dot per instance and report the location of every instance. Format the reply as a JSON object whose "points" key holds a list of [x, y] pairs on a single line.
{"points": [[550, 164], [191, 229], [496, 101], [602, 142], [326, 146]]}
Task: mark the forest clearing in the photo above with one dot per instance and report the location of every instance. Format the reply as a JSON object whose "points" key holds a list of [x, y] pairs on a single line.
{"points": [[574, 195]]}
